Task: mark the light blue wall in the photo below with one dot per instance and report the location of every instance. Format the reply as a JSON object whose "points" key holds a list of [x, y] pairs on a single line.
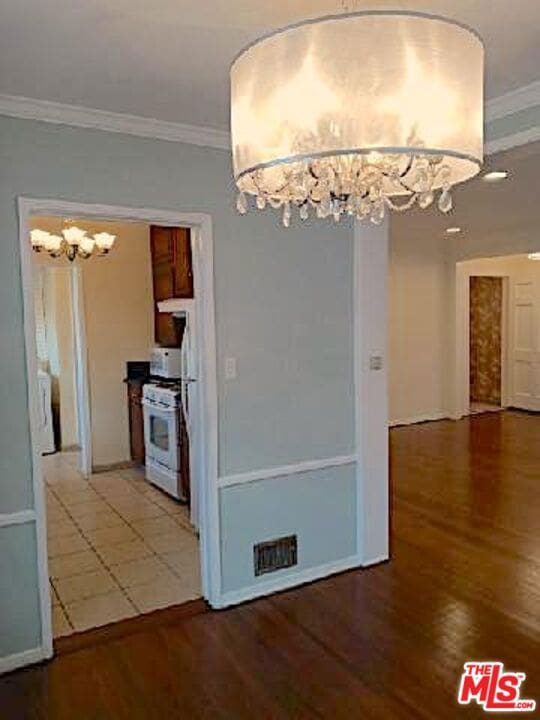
{"points": [[19, 600], [268, 509], [283, 308]]}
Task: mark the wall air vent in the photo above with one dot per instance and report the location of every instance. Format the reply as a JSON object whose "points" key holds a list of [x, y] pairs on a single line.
{"points": [[275, 554]]}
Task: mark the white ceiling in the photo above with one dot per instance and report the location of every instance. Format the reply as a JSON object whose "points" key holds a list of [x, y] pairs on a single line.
{"points": [[491, 215], [169, 59]]}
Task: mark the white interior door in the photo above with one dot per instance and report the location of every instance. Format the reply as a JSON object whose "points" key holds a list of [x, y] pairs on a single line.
{"points": [[525, 344]]}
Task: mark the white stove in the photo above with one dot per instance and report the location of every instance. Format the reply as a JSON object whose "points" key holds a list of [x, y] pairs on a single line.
{"points": [[162, 410]]}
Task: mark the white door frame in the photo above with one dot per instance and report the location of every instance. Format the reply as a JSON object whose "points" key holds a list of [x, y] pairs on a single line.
{"points": [[463, 274], [81, 371], [203, 278]]}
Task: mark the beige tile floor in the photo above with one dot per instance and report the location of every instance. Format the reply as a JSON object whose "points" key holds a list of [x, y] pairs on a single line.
{"points": [[117, 546]]}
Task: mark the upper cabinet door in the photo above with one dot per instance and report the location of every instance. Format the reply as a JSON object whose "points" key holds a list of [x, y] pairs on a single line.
{"points": [[172, 276], [183, 272]]}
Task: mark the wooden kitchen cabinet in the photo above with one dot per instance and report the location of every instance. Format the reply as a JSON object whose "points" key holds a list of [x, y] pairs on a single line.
{"points": [[172, 275], [136, 421]]}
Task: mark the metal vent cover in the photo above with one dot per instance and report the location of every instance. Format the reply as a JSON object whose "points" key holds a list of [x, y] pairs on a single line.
{"points": [[275, 554]]}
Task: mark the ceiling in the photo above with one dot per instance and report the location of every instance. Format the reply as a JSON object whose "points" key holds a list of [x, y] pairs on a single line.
{"points": [[169, 59], [490, 214]]}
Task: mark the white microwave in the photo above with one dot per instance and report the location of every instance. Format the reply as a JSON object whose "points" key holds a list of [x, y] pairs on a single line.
{"points": [[166, 362]]}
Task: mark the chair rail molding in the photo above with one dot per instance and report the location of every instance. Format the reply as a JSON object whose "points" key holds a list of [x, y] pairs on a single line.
{"points": [[21, 517], [285, 470]]}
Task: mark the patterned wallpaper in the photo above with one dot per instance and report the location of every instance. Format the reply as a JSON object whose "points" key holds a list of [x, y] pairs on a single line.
{"points": [[485, 339]]}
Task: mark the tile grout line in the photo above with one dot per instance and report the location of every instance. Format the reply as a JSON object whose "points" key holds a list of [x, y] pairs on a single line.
{"points": [[132, 484]]}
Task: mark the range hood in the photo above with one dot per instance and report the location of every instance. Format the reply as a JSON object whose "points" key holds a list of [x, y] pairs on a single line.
{"points": [[177, 306]]}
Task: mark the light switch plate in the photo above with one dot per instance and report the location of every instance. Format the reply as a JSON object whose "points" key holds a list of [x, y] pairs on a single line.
{"points": [[375, 362], [230, 368]]}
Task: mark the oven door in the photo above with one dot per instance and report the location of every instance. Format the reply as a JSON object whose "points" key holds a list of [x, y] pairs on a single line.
{"points": [[161, 434]]}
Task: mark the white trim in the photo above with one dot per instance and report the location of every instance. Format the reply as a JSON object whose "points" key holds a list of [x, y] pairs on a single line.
{"points": [[81, 371], [462, 329], [38, 484], [370, 268], [506, 142], [22, 659], [17, 518], [76, 116], [513, 102], [204, 287], [427, 417], [280, 583], [284, 470], [377, 560]]}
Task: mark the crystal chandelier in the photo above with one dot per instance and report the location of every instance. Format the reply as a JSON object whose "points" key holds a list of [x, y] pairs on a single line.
{"points": [[73, 242], [355, 113]]}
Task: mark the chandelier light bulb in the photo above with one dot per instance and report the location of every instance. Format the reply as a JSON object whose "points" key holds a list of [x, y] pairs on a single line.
{"points": [[74, 235], [104, 241], [356, 113], [53, 243], [86, 245], [38, 238], [73, 243]]}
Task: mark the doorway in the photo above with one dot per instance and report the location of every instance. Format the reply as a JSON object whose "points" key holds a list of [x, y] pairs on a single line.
{"points": [[517, 279], [485, 343], [207, 396]]}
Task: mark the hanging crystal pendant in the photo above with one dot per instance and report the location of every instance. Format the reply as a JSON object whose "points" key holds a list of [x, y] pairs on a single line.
{"points": [[242, 203], [445, 201], [286, 214], [425, 199], [261, 202], [304, 212]]}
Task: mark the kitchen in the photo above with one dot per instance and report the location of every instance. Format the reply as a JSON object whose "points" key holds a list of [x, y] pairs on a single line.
{"points": [[122, 539]]}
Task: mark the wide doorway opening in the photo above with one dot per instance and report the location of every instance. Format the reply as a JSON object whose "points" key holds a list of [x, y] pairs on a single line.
{"points": [[121, 433]]}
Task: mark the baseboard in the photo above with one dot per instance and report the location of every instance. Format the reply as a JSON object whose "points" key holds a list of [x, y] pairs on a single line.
{"points": [[376, 560], [278, 584], [428, 417], [22, 659]]}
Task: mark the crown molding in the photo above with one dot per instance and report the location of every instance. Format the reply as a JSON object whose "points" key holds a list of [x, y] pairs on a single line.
{"points": [[513, 102], [61, 114], [506, 142], [77, 116]]}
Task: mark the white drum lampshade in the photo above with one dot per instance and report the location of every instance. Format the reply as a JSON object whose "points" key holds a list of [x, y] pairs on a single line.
{"points": [[347, 113]]}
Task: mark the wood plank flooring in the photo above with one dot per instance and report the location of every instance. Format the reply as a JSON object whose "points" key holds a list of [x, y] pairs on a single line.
{"points": [[383, 643]]}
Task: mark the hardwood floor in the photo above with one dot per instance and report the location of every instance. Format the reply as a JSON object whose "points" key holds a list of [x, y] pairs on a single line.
{"points": [[383, 643]]}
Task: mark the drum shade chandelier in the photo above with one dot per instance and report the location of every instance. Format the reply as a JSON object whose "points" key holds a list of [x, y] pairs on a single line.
{"points": [[357, 112], [73, 243]]}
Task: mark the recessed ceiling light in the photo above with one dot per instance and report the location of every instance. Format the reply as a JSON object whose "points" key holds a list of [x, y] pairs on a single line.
{"points": [[495, 175], [453, 230]]}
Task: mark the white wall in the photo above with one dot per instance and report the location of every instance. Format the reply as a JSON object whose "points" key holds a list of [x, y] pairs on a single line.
{"points": [[58, 347], [417, 300], [119, 320], [424, 357]]}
